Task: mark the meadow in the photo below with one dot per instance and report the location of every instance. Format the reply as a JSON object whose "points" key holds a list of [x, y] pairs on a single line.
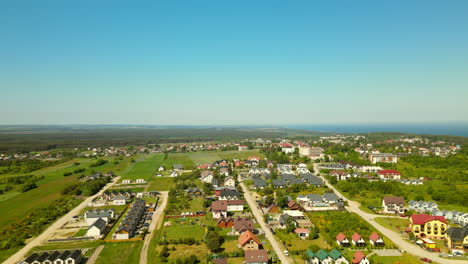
{"points": [[120, 253], [145, 167]]}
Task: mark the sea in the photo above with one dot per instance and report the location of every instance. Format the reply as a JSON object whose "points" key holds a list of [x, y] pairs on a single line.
{"points": [[454, 129]]}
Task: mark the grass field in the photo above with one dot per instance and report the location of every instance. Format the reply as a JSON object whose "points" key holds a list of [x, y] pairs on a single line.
{"points": [[295, 243], [49, 188], [179, 158], [185, 229], [80, 233], [395, 224], [404, 259], [212, 156], [145, 167], [161, 184], [120, 253]]}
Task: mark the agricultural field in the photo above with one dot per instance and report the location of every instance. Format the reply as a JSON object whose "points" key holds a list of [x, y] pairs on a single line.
{"points": [[145, 167], [212, 156], [161, 184], [120, 253], [178, 158]]}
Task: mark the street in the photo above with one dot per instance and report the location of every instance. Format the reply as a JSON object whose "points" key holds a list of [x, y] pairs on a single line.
{"points": [[18, 256], [259, 217], [152, 227], [397, 239]]}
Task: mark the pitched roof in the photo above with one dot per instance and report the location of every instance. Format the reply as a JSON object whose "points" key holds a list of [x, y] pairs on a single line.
{"points": [[100, 224], [458, 233], [220, 205], [246, 237], [256, 256], [314, 197], [374, 236], [331, 197], [220, 261], [241, 223], [340, 237], [335, 254], [421, 219], [301, 230], [355, 237], [310, 254], [393, 172], [358, 256], [394, 200], [322, 254]]}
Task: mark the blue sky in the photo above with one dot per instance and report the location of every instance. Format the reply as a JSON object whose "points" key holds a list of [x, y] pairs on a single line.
{"points": [[233, 62]]}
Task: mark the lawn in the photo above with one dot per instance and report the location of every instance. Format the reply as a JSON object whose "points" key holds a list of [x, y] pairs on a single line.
{"points": [[396, 224], [146, 166], [212, 156], [161, 184], [178, 158], [294, 243], [120, 253], [80, 233], [183, 251], [189, 227], [404, 259]]}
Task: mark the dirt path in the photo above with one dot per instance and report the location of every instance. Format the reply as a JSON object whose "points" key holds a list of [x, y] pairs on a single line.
{"points": [[20, 255], [154, 223], [259, 217], [395, 237], [95, 255]]}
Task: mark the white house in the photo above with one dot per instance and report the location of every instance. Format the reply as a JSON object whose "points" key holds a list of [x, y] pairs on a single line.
{"points": [[360, 258], [126, 181], [161, 168], [235, 206], [174, 174], [229, 181], [92, 215], [97, 228], [119, 200], [140, 181], [207, 176], [393, 205]]}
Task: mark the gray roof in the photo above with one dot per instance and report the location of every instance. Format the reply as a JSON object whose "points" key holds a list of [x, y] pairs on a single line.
{"points": [[178, 166], [330, 197], [100, 224], [314, 197], [458, 233], [279, 182], [99, 213], [259, 183], [297, 181]]}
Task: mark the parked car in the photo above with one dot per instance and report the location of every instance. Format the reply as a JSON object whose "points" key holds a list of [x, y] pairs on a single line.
{"points": [[286, 253], [426, 260]]}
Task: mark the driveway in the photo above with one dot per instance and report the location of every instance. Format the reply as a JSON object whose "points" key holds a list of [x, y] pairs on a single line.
{"points": [[259, 217], [154, 222], [397, 238], [21, 254]]}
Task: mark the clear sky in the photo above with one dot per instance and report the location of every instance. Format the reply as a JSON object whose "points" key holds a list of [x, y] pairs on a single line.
{"points": [[200, 62]]}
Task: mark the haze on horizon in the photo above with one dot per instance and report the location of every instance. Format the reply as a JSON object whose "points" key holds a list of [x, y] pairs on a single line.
{"points": [[228, 63]]}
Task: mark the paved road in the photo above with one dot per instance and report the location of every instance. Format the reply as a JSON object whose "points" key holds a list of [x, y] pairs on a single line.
{"points": [[154, 222], [397, 238], [21, 254], [259, 217]]}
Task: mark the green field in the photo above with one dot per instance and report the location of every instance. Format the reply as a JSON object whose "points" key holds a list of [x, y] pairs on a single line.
{"points": [[396, 224], [145, 167], [212, 156], [187, 228], [404, 259], [120, 253], [161, 184], [178, 158]]}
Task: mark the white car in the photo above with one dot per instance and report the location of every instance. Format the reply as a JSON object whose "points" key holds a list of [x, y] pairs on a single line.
{"points": [[286, 253]]}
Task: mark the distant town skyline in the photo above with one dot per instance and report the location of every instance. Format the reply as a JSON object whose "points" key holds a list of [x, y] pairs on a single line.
{"points": [[233, 63]]}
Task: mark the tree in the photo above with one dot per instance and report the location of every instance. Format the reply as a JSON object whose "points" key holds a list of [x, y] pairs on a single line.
{"points": [[214, 241], [290, 225], [282, 201], [269, 200]]}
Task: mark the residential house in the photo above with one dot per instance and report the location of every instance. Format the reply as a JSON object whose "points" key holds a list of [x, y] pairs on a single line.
{"points": [[369, 169], [376, 240], [312, 179], [248, 241], [174, 174], [97, 228], [302, 232], [55, 257], [323, 257], [259, 183], [428, 226], [383, 157], [178, 167], [126, 181], [331, 198], [256, 256], [272, 209], [340, 175], [219, 208], [194, 192], [218, 190], [229, 181], [287, 177], [225, 222], [128, 227], [206, 176], [285, 168], [393, 205], [287, 148], [92, 216], [161, 168], [242, 224], [243, 148], [337, 257], [235, 205], [342, 240], [357, 240], [140, 181], [224, 171], [389, 174], [457, 238], [360, 258], [279, 183], [292, 205], [229, 195], [119, 200]]}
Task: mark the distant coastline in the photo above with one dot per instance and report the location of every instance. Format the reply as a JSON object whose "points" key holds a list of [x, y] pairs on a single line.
{"points": [[454, 129]]}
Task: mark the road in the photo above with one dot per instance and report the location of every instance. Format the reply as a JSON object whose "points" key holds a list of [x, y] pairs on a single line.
{"points": [[92, 259], [397, 238], [259, 217], [21, 254], [154, 222]]}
